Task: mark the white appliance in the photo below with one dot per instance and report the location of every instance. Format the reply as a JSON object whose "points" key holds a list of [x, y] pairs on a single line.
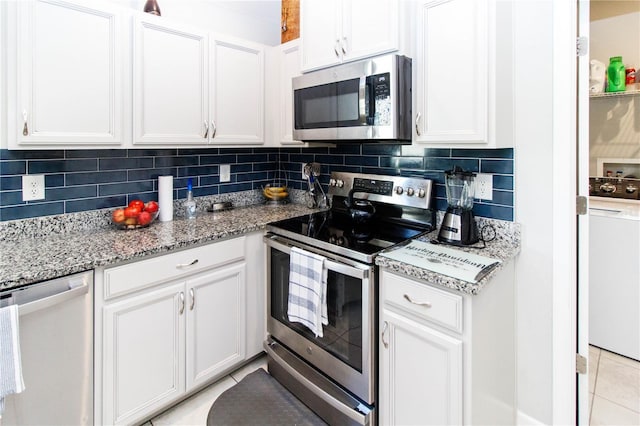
{"points": [[614, 275]]}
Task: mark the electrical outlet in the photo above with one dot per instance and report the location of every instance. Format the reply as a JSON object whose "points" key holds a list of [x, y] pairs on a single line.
{"points": [[484, 186], [32, 187], [225, 173]]}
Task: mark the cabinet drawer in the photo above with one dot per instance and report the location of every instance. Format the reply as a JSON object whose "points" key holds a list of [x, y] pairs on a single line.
{"points": [[132, 277], [422, 300]]}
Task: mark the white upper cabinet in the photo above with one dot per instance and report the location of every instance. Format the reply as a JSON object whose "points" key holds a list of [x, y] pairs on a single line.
{"points": [[195, 88], [237, 91], [337, 31], [66, 74], [289, 61], [171, 83], [454, 72]]}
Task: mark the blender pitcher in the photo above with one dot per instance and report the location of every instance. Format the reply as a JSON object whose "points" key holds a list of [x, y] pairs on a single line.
{"points": [[458, 225]]}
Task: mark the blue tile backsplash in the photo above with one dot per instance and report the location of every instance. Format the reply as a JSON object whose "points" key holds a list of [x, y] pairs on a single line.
{"points": [[79, 180]]}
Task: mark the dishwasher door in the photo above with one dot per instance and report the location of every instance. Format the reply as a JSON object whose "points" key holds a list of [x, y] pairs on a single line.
{"points": [[56, 345]]}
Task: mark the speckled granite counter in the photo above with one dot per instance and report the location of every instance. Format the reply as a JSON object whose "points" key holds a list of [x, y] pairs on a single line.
{"points": [[33, 258], [504, 247]]}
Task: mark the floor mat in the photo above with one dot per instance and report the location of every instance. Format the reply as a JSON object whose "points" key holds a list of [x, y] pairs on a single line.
{"points": [[259, 399]]}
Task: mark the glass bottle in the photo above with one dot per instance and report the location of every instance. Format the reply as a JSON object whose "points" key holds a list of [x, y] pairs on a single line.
{"points": [[190, 204]]}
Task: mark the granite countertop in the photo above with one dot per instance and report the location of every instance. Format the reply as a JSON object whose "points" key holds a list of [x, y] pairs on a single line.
{"points": [[27, 260], [504, 247]]}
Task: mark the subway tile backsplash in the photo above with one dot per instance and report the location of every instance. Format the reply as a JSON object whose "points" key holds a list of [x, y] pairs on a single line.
{"points": [[80, 180]]}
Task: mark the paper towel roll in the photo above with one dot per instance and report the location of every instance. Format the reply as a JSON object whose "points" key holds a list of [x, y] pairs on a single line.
{"points": [[165, 198]]}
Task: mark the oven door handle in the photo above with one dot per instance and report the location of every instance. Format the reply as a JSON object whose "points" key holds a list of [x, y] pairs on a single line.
{"points": [[341, 268]]}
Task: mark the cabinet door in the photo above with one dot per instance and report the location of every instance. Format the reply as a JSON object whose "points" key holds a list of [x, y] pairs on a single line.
{"points": [[215, 323], [320, 33], [452, 66], [289, 60], [171, 83], [420, 374], [369, 27], [143, 349], [69, 74], [237, 92]]}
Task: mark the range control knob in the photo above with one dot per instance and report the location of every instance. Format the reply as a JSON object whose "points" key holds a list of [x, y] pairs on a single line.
{"points": [[339, 183], [631, 189], [607, 187], [421, 193], [399, 190], [410, 192], [332, 182]]}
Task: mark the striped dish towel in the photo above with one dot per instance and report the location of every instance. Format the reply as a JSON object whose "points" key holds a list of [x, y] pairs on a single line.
{"points": [[307, 290], [10, 366]]}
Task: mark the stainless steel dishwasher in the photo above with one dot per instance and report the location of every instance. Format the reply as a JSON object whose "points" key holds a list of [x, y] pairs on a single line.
{"points": [[56, 345]]}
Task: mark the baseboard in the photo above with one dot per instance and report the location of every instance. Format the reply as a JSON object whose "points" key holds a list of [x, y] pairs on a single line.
{"points": [[524, 420]]}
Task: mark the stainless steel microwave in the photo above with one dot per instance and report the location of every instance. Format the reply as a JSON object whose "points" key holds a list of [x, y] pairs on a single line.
{"points": [[364, 101]]}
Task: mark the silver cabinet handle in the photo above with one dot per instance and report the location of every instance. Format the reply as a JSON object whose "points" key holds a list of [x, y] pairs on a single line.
{"points": [[418, 116], [335, 48], [384, 330], [186, 265], [213, 129], [206, 130], [425, 304], [193, 299], [181, 303], [25, 129], [344, 45]]}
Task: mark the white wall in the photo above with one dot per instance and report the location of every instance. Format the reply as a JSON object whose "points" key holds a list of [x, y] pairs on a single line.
{"points": [[257, 21], [533, 180]]}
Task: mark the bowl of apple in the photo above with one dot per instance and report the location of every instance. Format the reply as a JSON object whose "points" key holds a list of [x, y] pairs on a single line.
{"points": [[137, 214]]}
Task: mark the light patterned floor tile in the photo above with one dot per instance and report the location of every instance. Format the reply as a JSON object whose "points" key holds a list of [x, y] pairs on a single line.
{"points": [[619, 383], [260, 362], [194, 410], [594, 357], [607, 413], [619, 358]]}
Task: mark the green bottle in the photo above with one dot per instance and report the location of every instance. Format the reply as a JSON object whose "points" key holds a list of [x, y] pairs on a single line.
{"points": [[616, 75]]}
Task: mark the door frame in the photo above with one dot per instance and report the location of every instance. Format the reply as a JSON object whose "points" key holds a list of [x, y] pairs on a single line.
{"points": [[582, 188]]}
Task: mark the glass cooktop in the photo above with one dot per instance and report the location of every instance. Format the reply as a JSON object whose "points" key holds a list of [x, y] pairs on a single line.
{"points": [[336, 231]]}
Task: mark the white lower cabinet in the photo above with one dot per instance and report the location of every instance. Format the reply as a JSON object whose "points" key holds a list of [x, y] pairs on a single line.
{"points": [[446, 358], [164, 333]]}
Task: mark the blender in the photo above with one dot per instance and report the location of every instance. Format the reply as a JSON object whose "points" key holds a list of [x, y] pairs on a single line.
{"points": [[458, 225]]}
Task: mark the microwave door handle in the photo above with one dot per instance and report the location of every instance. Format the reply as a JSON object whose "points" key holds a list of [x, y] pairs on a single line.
{"points": [[362, 98]]}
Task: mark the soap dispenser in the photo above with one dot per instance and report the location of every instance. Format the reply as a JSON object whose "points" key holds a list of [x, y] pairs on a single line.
{"points": [[190, 204]]}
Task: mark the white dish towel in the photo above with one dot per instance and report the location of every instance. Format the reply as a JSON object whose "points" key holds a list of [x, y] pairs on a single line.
{"points": [[11, 380], [308, 290]]}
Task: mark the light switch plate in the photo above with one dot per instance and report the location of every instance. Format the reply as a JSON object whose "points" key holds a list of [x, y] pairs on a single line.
{"points": [[32, 187], [484, 186], [225, 173]]}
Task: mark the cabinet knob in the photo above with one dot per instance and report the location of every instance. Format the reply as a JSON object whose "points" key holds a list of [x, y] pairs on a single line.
{"points": [[206, 129], [193, 299], [343, 45], [418, 117], [335, 48], [25, 129], [213, 129]]}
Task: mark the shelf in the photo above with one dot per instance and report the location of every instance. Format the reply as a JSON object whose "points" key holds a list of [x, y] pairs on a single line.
{"points": [[614, 94]]}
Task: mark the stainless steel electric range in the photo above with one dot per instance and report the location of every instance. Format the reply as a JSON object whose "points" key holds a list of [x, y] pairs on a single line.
{"points": [[336, 374]]}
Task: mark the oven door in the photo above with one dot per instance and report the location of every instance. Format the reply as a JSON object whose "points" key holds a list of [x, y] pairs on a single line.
{"points": [[346, 352]]}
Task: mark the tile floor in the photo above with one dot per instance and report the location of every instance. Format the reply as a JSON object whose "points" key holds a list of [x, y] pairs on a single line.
{"points": [[614, 393], [193, 411], [614, 389]]}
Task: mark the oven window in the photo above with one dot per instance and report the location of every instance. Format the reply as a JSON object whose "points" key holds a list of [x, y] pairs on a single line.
{"points": [[328, 105], [342, 337]]}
